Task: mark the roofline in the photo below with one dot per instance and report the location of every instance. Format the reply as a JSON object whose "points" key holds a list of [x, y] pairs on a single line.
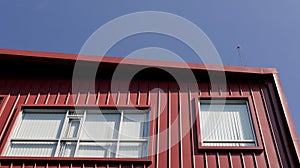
{"points": [[140, 62]]}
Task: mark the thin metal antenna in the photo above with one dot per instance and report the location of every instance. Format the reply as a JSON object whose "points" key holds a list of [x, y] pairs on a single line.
{"points": [[238, 48]]}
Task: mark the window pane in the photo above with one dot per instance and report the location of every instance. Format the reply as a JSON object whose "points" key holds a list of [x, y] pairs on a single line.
{"points": [[40, 126], [226, 124], [132, 150], [31, 149], [72, 128], [101, 126], [97, 149], [134, 126], [67, 149]]}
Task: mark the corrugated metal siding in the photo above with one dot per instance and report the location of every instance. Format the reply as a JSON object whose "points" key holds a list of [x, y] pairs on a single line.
{"points": [[174, 109]]}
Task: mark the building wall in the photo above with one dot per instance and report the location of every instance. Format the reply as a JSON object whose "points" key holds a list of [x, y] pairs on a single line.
{"points": [[175, 109]]}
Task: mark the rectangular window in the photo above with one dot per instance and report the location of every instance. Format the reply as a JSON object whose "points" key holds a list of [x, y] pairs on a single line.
{"points": [[106, 133], [226, 123]]}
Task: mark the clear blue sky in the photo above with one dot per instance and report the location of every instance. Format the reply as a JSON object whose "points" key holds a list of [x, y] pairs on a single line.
{"points": [[268, 31]]}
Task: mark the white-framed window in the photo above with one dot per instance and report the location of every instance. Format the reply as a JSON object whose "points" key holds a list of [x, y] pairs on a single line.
{"points": [[226, 122], [108, 133]]}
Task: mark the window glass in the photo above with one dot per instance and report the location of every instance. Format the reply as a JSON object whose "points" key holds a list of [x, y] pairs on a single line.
{"points": [[131, 150], [40, 126], [226, 123], [72, 128], [97, 149], [101, 126], [19, 148], [134, 126], [67, 149]]}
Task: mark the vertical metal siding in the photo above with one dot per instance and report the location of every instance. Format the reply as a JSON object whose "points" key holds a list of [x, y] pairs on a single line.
{"points": [[170, 106]]}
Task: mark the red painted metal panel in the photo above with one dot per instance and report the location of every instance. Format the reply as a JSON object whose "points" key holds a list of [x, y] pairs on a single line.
{"points": [[134, 92], [42, 95], [248, 160], [278, 119], [163, 139], [143, 93], [211, 160], [282, 103], [187, 155], [104, 92], [173, 106], [275, 132], [4, 87], [53, 93], [268, 140], [236, 160], [5, 166], [64, 90], [174, 138], [153, 144], [199, 159], [13, 95], [224, 160], [123, 92], [33, 92], [204, 88], [113, 94], [83, 92], [173, 113]]}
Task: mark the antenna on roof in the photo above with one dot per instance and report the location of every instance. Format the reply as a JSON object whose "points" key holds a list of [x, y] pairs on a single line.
{"points": [[238, 48]]}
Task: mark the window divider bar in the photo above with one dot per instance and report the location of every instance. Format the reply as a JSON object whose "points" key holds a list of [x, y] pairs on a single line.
{"points": [[19, 123], [78, 117], [79, 132], [34, 140], [252, 123], [113, 140], [57, 150], [146, 131], [119, 133]]}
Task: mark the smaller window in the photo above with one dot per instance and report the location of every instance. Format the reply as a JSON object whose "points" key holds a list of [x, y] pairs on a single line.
{"points": [[1, 99], [226, 123]]}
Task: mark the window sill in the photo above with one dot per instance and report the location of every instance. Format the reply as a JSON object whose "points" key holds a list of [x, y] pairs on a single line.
{"points": [[77, 159], [257, 149]]}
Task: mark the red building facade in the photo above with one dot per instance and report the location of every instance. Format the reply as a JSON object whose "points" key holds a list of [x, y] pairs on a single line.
{"points": [[171, 123]]}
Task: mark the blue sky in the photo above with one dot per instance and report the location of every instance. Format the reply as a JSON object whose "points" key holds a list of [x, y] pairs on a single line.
{"points": [[267, 31]]}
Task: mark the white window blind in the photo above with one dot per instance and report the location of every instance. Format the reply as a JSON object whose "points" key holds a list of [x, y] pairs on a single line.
{"points": [[86, 133], [226, 123]]}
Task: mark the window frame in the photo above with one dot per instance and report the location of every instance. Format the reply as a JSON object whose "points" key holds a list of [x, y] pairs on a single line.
{"points": [[144, 160], [253, 120]]}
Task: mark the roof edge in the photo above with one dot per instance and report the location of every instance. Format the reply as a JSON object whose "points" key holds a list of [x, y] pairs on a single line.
{"points": [[141, 62], [287, 115]]}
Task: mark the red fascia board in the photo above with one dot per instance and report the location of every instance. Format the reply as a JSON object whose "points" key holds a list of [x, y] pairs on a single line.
{"points": [[287, 115], [138, 62]]}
